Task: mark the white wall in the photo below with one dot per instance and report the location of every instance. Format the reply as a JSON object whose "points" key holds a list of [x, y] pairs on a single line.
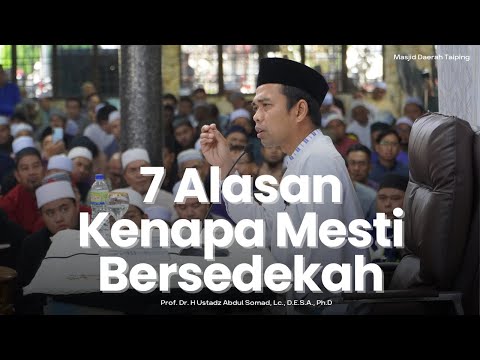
{"points": [[459, 82]]}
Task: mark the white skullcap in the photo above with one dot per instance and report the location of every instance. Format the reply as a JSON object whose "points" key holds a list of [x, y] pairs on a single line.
{"points": [[114, 115], [330, 117], [414, 100], [60, 162], [380, 85], [3, 120], [54, 191], [239, 113], [134, 155], [21, 143], [134, 197], [404, 120], [357, 103], [159, 212], [16, 128], [187, 155], [80, 151], [177, 186], [98, 107], [328, 100]]}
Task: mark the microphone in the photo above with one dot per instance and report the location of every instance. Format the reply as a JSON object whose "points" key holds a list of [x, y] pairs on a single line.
{"points": [[218, 252], [245, 150]]}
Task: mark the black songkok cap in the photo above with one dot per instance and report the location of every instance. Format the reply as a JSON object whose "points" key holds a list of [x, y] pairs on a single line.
{"points": [[394, 181], [291, 73]]}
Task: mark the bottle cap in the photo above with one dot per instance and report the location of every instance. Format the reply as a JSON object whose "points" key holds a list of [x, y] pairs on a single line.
{"points": [[99, 177]]}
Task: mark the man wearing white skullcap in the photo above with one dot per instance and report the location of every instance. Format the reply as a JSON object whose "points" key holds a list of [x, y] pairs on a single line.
{"points": [[240, 113], [159, 212], [20, 203], [242, 118], [404, 120], [60, 211], [403, 127], [82, 163], [132, 161], [380, 85], [361, 121], [136, 156], [5, 136], [327, 107], [58, 163], [115, 129], [21, 129], [380, 100], [136, 209], [80, 151], [192, 158], [413, 108], [334, 125], [192, 208], [21, 143]]}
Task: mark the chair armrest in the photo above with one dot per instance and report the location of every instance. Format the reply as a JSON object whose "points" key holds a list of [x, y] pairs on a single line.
{"points": [[391, 294], [8, 278]]}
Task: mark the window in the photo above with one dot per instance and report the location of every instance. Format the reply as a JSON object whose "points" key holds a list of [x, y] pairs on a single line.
{"points": [[239, 64], [326, 59], [6, 58], [74, 67], [292, 52], [108, 74], [364, 63], [34, 69], [199, 68], [240, 67]]}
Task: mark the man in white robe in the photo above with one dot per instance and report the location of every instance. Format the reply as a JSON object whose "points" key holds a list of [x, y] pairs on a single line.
{"points": [[286, 108]]}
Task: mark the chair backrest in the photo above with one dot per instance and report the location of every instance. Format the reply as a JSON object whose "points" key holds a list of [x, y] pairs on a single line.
{"points": [[467, 280], [441, 207]]}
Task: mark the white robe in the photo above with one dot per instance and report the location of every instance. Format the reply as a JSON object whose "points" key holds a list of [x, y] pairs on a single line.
{"points": [[316, 155], [363, 132]]}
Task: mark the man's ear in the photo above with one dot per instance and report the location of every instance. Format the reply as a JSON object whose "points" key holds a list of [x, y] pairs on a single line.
{"points": [[16, 176], [301, 110]]}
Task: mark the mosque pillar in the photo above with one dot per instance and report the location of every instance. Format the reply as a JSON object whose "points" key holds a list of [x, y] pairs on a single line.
{"points": [[141, 99]]}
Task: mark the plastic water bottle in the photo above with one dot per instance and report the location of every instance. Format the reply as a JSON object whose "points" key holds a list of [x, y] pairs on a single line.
{"points": [[99, 203]]}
